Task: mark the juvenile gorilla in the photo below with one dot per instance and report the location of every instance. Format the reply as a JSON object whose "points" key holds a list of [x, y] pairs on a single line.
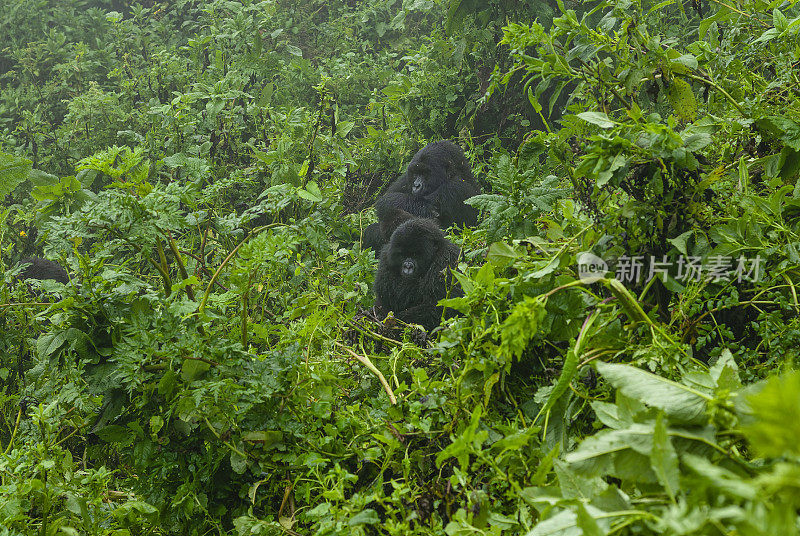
{"points": [[436, 182], [39, 268], [414, 273]]}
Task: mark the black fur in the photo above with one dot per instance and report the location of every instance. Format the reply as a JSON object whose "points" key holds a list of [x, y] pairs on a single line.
{"points": [[372, 237], [39, 268], [414, 273], [436, 182]]}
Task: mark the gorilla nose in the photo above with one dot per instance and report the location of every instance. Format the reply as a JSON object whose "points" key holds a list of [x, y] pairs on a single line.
{"points": [[408, 267]]}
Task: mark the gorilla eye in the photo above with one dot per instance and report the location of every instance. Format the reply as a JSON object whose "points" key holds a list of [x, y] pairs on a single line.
{"points": [[418, 185], [408, 267]]}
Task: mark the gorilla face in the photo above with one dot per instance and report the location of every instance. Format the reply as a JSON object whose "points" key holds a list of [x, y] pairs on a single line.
{"points": [[436, 182], [412, 247], [408, 268], [427, 171], [419, 184]]}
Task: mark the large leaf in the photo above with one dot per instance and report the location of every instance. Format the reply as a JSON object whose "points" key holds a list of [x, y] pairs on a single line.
{"points": [[682, 98], [621, 453], [13, 170], [568, 523], [663, 458], [775, 430], [597, 118], [681, 403]]}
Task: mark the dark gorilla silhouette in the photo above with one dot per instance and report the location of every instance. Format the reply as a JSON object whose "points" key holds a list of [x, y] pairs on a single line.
{"points": [[39, 268], [389, 219], [372, 237], [436, 182], [414, 273]]}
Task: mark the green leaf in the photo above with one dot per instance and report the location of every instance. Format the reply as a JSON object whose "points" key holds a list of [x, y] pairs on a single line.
{"points": [[783, 128], [520, 327], [679, 242], [368, 516], [622, 453], [720, 478], [168, 383], [681, 97], [609, 415], [663, 458], [267, 438], [311, 193], [686, 60], [681, 403], [49, 343], [597, 118], [485, 276], [661, 5], [140, 506], [744, 174], [725, 372], [534, 101], [695, 142], [13, 171], [462, 445], [789, 163], [565, 523], [344, 128], [265, 97], [502, 254], [779, 20], [775, 430], [156, 423], [115, 433], [238, 463], [575, 486], [568, 372], [193, 369], [587, 523], [770, 34]]}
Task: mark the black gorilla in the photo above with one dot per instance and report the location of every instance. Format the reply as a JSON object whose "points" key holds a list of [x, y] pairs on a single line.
{"points": [[436, 182], [414, 273], [39, 268]]}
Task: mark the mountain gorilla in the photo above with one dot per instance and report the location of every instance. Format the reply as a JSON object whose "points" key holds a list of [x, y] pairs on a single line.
{"points": [[414, 273], [436, 182], [39, 268]]}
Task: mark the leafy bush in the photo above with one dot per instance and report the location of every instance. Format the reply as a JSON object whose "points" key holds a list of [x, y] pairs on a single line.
{"points": [[204, 171]]}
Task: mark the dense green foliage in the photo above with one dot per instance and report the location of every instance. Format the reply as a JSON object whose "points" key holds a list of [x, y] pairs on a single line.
{"points": [[204, 170]]}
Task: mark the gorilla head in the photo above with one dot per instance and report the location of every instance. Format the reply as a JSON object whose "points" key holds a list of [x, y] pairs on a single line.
{"points": [[441, 163], [414, 272], [436, 182]]}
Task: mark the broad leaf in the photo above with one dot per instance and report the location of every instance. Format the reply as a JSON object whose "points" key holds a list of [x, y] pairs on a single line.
{"points": [[597, 118], [681, 403]]}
